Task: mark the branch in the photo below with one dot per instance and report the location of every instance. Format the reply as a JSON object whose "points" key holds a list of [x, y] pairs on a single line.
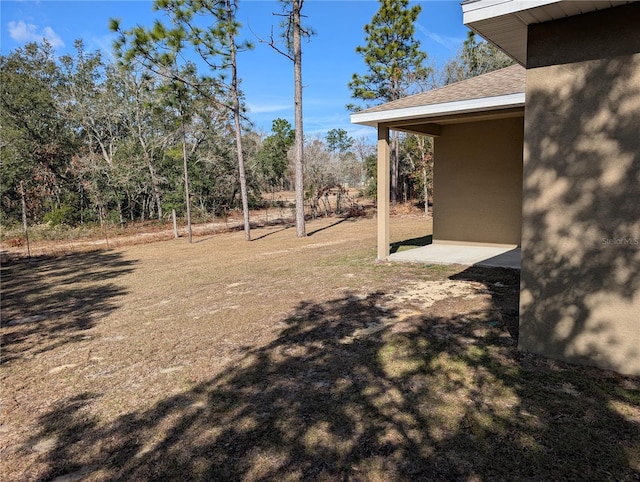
{"points": [[272, 43]]}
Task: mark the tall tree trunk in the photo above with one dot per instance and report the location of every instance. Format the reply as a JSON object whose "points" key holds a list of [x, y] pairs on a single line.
{"points": [[241, 169], [395, 166], [152, 172], [120, 213], [156, 193], [154, 186], [236, 120], [299, 136], [187, 197], [25, 226], [103, 222]]}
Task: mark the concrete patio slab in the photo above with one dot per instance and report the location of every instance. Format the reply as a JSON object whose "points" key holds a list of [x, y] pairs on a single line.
{"points": [[491, 256]]}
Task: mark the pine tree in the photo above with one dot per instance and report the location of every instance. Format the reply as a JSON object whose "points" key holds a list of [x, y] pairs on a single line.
{"points": [[160, 47], [395, 64], [292, 34], [474, 58]]}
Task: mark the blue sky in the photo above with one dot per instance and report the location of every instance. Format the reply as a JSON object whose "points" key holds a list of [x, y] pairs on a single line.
{"points": [[329, 59]]}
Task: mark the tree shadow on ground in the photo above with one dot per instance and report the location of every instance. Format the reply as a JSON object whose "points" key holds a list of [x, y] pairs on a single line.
{"points": [[372, 388], [412, 243], [53, 301], [342, 220]]}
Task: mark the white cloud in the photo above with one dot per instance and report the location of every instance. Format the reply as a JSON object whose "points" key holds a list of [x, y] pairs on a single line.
{"points": [[28, 32], [266, 108], [104, 44], [450, 43]]}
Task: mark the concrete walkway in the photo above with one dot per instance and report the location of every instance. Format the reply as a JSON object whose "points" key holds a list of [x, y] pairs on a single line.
{"points": [[492, 256]]}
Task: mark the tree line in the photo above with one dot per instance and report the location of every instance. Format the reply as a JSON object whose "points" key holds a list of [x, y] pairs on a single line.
{"points": [[87, 140], [84, 138]]}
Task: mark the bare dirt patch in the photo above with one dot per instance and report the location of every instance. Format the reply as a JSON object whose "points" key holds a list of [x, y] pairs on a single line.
{"points": [[291, 359]]}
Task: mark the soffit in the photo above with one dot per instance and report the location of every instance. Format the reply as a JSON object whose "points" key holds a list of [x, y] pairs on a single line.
{"points": [[433, 126]]}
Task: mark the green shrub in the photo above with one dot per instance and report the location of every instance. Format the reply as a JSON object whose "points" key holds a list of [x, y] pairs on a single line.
{"points": [[64, 214]]}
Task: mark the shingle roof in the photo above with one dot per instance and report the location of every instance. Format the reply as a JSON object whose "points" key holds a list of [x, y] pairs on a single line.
{"points": [[510, 80]]}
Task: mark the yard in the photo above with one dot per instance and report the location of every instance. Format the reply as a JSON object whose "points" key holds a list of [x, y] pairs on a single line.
{"points": [[288, 359]]}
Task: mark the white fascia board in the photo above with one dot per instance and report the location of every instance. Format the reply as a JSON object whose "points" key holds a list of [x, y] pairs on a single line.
{"points": [[486, 9], [446, 108]]}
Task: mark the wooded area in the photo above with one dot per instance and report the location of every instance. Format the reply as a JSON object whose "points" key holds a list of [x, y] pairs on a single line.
{"points": [[89, 140]]}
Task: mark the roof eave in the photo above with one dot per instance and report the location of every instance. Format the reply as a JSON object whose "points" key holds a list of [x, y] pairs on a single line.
{"points": [[504, 23], [487, 9], [427, 112], [499, 22]]}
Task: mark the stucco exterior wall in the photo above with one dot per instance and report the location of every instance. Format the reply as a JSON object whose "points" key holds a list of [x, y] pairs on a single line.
{"points": [[580, 280], [478, 182]]}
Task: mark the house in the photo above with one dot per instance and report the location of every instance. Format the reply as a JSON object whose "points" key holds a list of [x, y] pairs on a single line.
{"points": [[544, 155]]}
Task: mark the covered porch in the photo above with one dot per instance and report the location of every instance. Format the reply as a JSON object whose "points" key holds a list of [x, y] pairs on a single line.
{"points": [[478, 128], [464, 254]]}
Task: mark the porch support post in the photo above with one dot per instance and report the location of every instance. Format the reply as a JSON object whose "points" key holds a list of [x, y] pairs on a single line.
{"points": [[384, 164]]}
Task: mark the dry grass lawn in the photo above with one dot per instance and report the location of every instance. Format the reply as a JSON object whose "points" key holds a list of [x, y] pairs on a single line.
{"points": [[291, 359]]}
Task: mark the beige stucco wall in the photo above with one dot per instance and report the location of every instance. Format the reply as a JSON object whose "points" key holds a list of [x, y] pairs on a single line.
{"points": [[478, 182], [580, 284]]}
